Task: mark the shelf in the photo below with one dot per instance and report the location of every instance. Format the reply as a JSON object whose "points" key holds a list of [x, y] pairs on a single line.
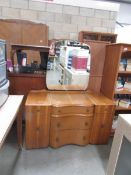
{"points": [[123, 92], [119, 108], [124, 72], [126, 54]]}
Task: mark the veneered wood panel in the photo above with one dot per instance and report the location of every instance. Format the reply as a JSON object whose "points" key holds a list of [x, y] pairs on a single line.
{"points": [[11, 32], [37, 127], [110, 72], [95, 83], [101, 128], [21, 84], [34, 34], [98, 49]]}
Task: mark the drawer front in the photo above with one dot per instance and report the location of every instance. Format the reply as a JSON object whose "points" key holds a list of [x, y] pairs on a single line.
{"points": [[104, 109], [64, 137], [71, 122], [72, 109]]}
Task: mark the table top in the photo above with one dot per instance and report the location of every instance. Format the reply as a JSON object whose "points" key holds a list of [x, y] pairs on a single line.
{"points": [[8, 114], [30, 47], [123, 130]]}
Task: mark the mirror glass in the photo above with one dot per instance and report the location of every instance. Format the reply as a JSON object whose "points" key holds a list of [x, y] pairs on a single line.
{"points": [[68, 66]]}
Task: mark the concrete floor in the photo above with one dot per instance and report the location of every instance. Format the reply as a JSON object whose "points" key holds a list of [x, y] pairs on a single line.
{"points": [[67, 160]]}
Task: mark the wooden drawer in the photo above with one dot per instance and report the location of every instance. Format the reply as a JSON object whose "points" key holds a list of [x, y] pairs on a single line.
{"points": [[104, 109], [72, 109], [71, 122], [64, 137]]}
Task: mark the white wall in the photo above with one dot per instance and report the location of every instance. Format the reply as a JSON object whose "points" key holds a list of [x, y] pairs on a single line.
{"points": [[123, 16], [64, 21], [86, 3]]}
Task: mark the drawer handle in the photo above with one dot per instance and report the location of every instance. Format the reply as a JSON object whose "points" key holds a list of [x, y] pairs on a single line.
{"points": [[106, 110], [87, 110], [86, 123], [38, 110], [84, 137], [37, 129], [58, 125], [102, 126], [59, 111], [57, 139]]}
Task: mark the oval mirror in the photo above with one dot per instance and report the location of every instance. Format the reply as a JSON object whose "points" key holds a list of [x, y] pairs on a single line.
{"points": [[68, 66]]}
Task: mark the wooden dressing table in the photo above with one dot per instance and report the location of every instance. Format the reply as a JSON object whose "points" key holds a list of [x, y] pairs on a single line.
{"points": [[56, 118]]}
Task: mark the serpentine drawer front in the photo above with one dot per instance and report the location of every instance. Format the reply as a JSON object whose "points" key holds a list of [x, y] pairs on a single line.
{"points": [[64, 137], [71, 122], [72, 109]]}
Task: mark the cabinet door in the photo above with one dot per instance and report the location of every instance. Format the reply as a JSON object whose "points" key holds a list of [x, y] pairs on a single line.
{"points": [[101, 128], [37, 127], [34, 34], [10, 30]]}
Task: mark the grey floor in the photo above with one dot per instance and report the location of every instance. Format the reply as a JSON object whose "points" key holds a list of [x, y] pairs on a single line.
{"points": [[67, 160]]}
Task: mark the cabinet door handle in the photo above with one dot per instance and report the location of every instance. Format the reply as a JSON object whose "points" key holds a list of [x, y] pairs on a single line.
{"points": [[87, 110], [84, 137], [37, 129], [106, 110], [58, 125], [86, 123], [102, 126], [57, 139]]}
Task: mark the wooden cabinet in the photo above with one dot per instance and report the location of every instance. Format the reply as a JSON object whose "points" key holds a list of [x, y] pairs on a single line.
{"points": [[24, 32], [101, 126], [115, 76], [21, 84], [67, 117], [114, 54], [88, 35], [103, 117], [37, 121]]}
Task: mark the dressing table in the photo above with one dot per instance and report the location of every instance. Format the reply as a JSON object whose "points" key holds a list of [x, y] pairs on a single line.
{"points": [[56, 118], [67, 113]]}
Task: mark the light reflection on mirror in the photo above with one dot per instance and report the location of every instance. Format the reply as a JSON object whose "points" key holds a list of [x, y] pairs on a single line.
{"points": [[68, 66]]}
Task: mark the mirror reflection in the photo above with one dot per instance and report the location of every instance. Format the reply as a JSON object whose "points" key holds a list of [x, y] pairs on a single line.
{"points": [[68, 66]]}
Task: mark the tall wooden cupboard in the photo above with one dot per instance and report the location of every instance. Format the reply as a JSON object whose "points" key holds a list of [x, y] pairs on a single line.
{"points": [[117, 55]]}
